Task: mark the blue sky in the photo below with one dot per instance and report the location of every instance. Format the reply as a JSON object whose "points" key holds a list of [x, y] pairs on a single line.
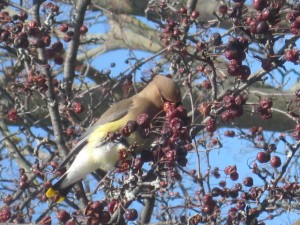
{"points": [[234, 150]]}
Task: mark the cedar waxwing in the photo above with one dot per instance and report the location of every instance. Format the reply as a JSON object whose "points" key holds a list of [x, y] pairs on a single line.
{"points": [[96, 151]]}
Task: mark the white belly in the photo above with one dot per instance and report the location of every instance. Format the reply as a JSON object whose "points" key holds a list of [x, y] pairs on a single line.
{"points": [[90, 158]]}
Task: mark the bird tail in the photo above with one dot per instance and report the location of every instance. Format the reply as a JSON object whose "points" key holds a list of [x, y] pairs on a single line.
{"points": [[57, 193]]}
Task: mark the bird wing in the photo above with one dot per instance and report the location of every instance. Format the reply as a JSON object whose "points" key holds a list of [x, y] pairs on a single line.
{"points": [[115, 112]]}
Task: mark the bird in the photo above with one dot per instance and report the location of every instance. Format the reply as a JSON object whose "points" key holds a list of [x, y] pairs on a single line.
{"points": [[94, 150]]}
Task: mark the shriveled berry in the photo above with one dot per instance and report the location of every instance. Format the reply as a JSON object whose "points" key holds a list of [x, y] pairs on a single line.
{"points": [[5, 214], [12, 115], [70, 131], [230, 170], [211, 125], [143, 120], [204, 108], [63, 216], [78, 107], [292, 55], [129, 128], [228, 101], [266, 103]]}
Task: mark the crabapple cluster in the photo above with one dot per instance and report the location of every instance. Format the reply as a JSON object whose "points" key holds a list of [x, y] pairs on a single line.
{"points": [[235, 53], [233, 107], [97, 213], [5, 214], [264, 108]]}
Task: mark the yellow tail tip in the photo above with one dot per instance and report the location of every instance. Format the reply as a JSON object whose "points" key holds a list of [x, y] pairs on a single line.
{"points": [[54, 195]]}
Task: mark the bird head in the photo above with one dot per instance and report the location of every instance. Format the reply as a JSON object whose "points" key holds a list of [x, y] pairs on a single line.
{"points": [[162, 89]]}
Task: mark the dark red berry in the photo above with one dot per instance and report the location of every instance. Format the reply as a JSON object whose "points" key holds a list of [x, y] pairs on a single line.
{"points": [[263, 157], [24, 178], [59, 60], [104, 217], [207, 199], [223, 9], [216, 192], [195, 14], [112, 206], [228, 101], [131, 214], [67, 38], [216, 39], [262, 27], [63, 27], [222, 183], [275, 161], [182, 10], [57, 47], [208, 208], [248, 181], [23, 184], [234, 176], [63, 216], [83, 29], [259, 4], [21, 171], [229, 133], [206, 84]]}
